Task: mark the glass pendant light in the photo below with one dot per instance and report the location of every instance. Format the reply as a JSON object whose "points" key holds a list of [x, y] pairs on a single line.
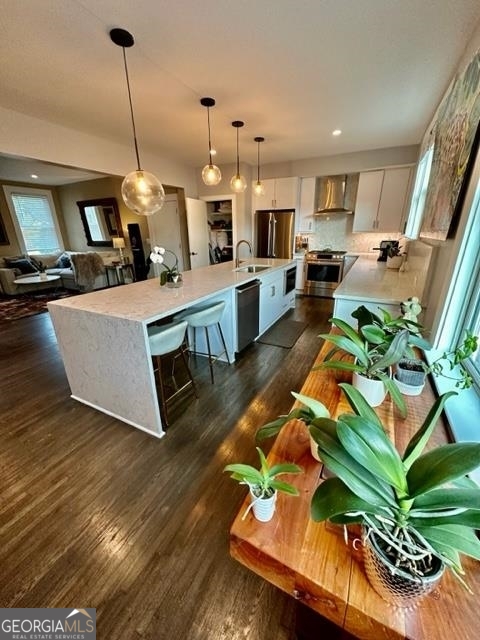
{"points": [[238, 183], [142, 192], [258, 189], [211, 174]]}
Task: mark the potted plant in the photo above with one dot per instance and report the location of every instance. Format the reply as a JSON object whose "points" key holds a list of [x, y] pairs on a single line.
{"points": [[307, 413], [169, 275], [418, 510], [394, 257], [375, 352], [263, 484]]}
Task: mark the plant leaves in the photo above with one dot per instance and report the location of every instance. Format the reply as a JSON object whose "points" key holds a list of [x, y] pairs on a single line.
{"points": [[333, 498], [469, 518], [359, 405], [395, 351], [441, 465], [448, 498], [361, 481], [284, 467], [373, 449], [278, 485], [318, 409], [244, 473], [373, 334], [419, 440], [462, 539], [353, 347]]}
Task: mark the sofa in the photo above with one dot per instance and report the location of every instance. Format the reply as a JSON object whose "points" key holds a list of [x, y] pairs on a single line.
{"points": [[69, 265]]}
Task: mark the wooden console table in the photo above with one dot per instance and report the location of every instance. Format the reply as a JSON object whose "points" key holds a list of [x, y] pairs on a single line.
{"points": [[311, 562]]}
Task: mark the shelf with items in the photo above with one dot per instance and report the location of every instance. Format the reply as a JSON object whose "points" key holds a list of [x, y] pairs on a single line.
{"points": [[220, 223]]}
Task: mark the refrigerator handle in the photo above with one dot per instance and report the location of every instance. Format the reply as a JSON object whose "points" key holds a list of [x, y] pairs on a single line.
{"points": [[270, 234], [274, 236]]}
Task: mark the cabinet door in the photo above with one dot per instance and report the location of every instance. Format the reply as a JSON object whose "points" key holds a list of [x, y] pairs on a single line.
{"points": [[300, 276], [307, 205], [267, 200], [271, 301], [368, 201], [393, 200], [286, 193]]}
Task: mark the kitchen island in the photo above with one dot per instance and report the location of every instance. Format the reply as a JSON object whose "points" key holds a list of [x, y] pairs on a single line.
{"points": [[371, 283], [103, 339]]}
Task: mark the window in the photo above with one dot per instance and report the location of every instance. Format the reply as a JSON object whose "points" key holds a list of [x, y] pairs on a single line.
{"points": [[417, 205], [35, 220]]}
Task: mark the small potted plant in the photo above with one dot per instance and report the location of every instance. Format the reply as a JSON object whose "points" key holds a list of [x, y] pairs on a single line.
{"points": [[263, 484], [169, 275], [410, 372], [418, 510], [394, 257], [307, 413], [375, 351]]}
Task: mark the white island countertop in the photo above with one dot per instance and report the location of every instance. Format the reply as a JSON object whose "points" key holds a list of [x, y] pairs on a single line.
{"points": [[370, 280], [147, 301]]}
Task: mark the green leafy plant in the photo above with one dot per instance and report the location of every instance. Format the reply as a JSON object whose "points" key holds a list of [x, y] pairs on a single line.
{"points": [[310, 410], [419, 505], [263, 481], [451, 362], [373, 350]]}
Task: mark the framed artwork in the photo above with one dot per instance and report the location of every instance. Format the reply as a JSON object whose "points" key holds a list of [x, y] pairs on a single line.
{"points": [[3, 233], [455, 135]]}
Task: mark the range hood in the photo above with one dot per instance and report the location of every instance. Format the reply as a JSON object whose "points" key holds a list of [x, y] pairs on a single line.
{"points": [[331, 191]]}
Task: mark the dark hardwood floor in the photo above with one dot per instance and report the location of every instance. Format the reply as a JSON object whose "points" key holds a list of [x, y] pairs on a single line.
{"points": [[94, 513]]}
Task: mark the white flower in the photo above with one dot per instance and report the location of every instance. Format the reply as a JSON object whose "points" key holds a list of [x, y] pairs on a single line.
{"points": [[156, 257]]}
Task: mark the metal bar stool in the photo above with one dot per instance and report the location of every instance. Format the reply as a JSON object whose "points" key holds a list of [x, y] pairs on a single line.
{"points": [[165, 340], [206, 316]]}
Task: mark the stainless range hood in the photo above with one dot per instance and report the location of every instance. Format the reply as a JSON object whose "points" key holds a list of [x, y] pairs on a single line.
{"points": [[331, 195]]}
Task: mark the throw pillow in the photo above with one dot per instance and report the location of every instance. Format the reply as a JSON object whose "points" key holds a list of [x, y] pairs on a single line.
{"points": [[63, 261], [22, 264]]}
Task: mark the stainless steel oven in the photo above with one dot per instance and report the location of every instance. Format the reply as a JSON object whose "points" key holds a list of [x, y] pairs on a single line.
{"points": [[323, 272]]}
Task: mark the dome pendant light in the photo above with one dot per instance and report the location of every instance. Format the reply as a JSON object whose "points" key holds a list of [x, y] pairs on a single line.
{"points": [[238, 183], [142, 192], [258, 189], [211, 174]]}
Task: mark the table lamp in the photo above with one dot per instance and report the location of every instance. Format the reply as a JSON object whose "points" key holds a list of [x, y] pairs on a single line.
{"points": [[119, 243]]}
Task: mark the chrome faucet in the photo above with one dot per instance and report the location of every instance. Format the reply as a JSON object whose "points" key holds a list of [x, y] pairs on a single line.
{"points": [[237, 260]]}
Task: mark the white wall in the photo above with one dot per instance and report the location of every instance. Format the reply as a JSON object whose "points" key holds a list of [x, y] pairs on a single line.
{"points": [[23, 135]]}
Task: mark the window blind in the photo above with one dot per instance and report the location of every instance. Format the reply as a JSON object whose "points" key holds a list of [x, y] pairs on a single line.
{"points": [[36, 222]]}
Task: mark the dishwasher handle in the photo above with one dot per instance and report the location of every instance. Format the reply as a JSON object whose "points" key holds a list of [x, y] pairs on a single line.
{"points": [[248, 286]]}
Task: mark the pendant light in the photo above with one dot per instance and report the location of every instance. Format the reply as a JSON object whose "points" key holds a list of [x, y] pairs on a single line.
{"points": [[258, 189], [238, 183], [211, 174], [142, 192]]}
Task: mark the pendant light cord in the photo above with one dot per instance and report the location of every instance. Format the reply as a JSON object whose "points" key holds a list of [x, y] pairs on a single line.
{"points": [[238, 157], [131, 110], [258, 162], [209, 140]]}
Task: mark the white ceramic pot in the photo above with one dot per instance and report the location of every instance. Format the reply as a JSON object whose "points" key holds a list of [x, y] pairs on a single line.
{"points": [[263, 508], [373, 391]]}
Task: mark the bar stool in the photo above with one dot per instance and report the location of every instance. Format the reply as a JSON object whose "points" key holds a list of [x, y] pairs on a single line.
{"points": [[205, 316], [164, 340]]}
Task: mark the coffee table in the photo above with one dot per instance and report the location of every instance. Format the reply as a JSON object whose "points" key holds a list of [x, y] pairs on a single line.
{"points": [[36, 279]]}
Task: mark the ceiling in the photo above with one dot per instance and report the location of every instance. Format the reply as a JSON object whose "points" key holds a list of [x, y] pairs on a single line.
{"points": [[293, 70]]}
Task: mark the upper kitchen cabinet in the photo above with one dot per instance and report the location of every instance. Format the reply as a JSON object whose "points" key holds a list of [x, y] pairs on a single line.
{"points": [[280, 193], [307, 205], [382, 199]]}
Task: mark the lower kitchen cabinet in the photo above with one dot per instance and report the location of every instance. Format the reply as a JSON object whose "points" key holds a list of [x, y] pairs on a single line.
{"points": [[273, 303], [300, 276]]}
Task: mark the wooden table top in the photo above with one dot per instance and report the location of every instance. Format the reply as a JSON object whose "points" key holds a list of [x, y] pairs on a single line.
{"points": [[311, 561]]}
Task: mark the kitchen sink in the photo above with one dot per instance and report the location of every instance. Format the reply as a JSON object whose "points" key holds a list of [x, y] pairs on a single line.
{"points": [[253, 268]]}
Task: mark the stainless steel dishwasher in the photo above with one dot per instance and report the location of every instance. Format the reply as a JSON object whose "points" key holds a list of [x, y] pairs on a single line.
{"points": [[248, 300]]}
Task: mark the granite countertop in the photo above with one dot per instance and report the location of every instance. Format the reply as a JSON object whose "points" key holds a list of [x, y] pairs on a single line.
{"points": [[370, 280], [146, 301]]}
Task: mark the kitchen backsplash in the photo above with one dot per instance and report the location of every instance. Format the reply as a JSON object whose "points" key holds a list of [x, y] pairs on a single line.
{"points": [[335, 232]]}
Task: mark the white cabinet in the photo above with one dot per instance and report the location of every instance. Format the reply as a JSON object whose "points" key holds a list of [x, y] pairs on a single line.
{"points": [[307, 205], [280, 193], [273, 303], [382, 199], [300, 276]]}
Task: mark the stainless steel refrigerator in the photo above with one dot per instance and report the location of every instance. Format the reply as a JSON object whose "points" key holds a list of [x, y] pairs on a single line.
{"points": [[274, 233]]}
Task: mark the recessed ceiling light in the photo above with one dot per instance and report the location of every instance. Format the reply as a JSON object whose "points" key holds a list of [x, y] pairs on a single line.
{"points": [[34, 176], [336, 132]]}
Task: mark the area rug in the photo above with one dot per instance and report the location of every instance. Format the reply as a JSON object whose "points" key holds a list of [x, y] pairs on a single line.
{"points": [[284, 333], [16, 307]]}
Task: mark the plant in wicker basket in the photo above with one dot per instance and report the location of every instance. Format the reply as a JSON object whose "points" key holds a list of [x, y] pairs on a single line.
{"points": [[419, 510]]}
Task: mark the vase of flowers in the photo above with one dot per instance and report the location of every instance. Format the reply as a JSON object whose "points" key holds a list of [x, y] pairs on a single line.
{"points": [[169, 275]]}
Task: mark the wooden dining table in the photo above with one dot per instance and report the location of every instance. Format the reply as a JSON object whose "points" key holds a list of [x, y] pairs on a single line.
{"points": [[321, 568]]}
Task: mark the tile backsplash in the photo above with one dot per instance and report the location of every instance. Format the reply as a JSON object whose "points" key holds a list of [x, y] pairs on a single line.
{"points": [[335, 232]]}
